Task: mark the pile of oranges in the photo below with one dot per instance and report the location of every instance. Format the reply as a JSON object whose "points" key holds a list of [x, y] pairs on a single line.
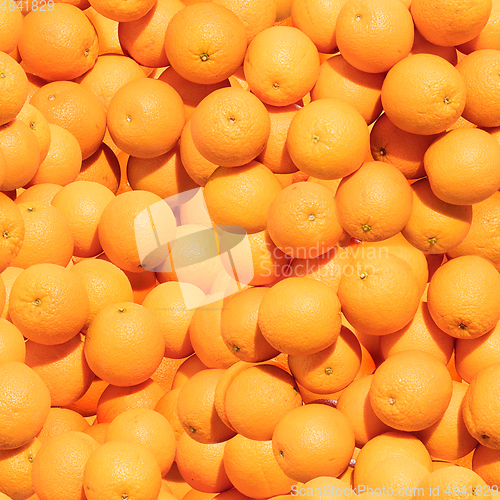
{"points": [[249, 249]]}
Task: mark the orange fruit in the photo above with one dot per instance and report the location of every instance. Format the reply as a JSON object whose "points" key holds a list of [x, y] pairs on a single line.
{"points": [[230, 127], [302, 220], [165, 373], [354, 403], [374, 203], [481, 239], [87, 404], [59, 464], [167, 406], [109, 73], [472, 355], [75, 108], [34, 83], [463, 481], [11, 23], [255, 414], [478, 70], [143, 38], [328, 139], [275, 155], [148, 428], [105, 284], [174, 482], [294, 306], [115, 400], [331, 369], [201, 465], [48, 303], [63, 160], [82, 203], [120, 468], [340, 80], [239, 326], [373, 35], [13, 87], [63, 368], [434, 225], [24, 403], [21, 153], [448, 438], [480, 407], [123, 216], [163, 175], [107, 32], [15, 470], [241, 196], [317, 19], [488, 37], [65, 57], [191, 93], [145, 117], [485, 462], [12, 346], [8, 277], [411, 390], [423, 46], [60, 421], [206, 338], [423, 94], [281, 65], [450, 23], [461, 166], [189, 367], [196, 410], [12, 229], [118, 11], [200, 55], [121, 334], [404, 150], [463, 297], [253, 470], [102, 167], [256, 16], [43, 193], [422, 334], [387, 445], [39, 125], [167, 303]]}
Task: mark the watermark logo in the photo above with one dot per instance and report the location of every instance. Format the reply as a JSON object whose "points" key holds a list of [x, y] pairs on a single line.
{"points": [[176, 236]]}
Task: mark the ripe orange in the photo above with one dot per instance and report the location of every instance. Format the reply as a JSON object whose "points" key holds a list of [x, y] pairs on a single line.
{"points": [[118, 11], [121, 335], [402, 149], [464, 297], [102, 167], [281, 65], [189, 367], [12, 345], [331, 369], [488, 37], [167, 406], [60, 421], [196, 410], [58, 466], [87, 404], [13, 87], [241, 196], [255, 414], [297, 305], [303, 222], [11, 27], [485, 462], [374, 202], [12, 230], [230, 127], [461, 166], [121, 469], [448, 438], [75, 108], [328, 139], [145, 117], [203, 55], [39, 125], [339, 79], [434, 225], [423, 94], [24, 403], [450, 23], [8, 277], [420, 333], [49, 304], [107, 32], [313, 440], [21, 153], [354, 403], [65, 57], [373, 35], [423, 46]]}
